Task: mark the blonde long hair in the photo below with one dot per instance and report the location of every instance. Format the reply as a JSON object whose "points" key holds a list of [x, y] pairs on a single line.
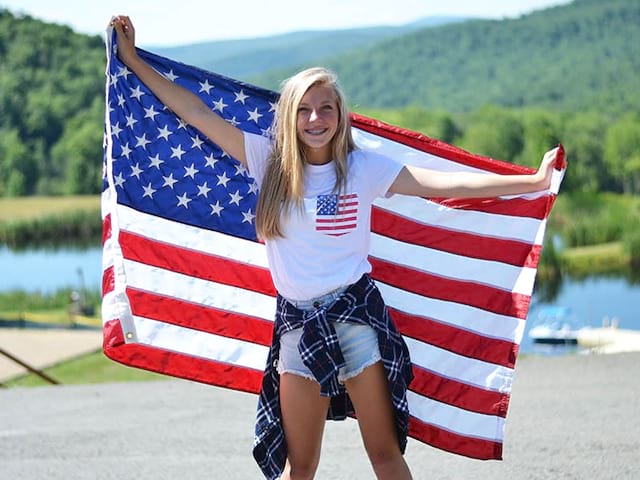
{"points": [[283, 181]]}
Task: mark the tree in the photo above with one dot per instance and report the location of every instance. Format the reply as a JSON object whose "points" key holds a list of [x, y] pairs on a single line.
{"points": [[17, 168], [495, 132], [540, 133], [80, 150], [622, 152], [583, 134], [48, 76]]}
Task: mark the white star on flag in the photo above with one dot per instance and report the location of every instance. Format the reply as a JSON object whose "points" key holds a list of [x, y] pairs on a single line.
{"points": [[183, 200], [205, 87], [241, 97], [164, 132]]}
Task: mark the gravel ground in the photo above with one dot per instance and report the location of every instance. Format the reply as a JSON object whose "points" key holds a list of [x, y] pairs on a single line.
{"points": [[572, 417]]}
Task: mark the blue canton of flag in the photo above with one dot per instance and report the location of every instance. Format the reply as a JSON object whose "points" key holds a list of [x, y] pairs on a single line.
{"points": [[167, 168], [327, 204]]}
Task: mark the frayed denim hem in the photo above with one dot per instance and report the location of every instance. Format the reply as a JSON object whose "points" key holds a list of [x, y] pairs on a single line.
{"points": [[375, 358], [292, 371]]}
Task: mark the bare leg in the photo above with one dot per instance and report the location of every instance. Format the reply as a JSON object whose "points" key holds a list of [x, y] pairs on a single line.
{"points": [[369, 392], [304, 413]]}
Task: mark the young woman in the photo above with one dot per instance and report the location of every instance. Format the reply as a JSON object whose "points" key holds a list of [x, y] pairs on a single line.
{"points": [[335, 350]]}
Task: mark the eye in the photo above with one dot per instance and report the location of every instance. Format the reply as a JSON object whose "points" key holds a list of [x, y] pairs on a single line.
{"points": [[303, 109]]}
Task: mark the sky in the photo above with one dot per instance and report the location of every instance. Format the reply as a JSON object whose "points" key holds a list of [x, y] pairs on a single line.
{"points": [[173, 23]]}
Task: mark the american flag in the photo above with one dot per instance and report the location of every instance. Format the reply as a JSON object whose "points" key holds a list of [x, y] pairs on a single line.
{"points": [[187, 291], [337, 214]]}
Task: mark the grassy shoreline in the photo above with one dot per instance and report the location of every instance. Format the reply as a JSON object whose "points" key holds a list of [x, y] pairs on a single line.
{"points": [[50, 221], [28, 208], [606, 258], [87, 369]]}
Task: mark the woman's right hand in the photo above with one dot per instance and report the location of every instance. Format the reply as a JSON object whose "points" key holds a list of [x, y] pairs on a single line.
{"points": [[125, 38]]}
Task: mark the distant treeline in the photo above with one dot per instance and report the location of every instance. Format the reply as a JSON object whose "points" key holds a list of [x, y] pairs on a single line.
{"points": [[566, 75]]}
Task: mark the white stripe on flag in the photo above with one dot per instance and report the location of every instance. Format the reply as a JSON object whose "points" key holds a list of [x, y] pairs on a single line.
{"points": [[488, 324], [496, 274], [491, 225], [198, 291], [200, 344], [197, 239], [454, 419], [407, 155], [466, 370]]}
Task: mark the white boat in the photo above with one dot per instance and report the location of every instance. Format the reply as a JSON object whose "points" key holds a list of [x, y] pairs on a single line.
{"points": [[556, 326]]}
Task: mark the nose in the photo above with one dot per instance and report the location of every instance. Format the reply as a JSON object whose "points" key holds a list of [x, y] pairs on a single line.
{"points": [[313, 115]]}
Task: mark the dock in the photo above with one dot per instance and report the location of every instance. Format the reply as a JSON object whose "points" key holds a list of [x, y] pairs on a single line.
{"points": [[609, 339]]}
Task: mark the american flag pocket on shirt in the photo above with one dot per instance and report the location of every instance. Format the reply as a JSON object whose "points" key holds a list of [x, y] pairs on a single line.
{"points": [[336, 214]]}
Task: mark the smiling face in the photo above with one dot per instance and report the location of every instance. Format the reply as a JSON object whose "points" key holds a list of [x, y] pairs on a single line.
{"points": [[317, 122]]}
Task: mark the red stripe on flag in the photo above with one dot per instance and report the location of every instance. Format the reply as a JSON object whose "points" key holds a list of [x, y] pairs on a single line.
{"points": [[453, 442], [458, 394], [339, 220], [336, 227], [112, 335], [456, 340], [106, 228], [196, 264], [429, 285], [200, 317], [471, 245], [514, 207], [108, 281], [178, 364]]}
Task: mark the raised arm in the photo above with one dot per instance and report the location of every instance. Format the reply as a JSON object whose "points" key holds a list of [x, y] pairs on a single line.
{"points": [[429, 183], [185, 104]]}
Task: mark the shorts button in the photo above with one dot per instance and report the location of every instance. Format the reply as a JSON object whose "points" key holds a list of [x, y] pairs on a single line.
{"points": [[316, 304]]}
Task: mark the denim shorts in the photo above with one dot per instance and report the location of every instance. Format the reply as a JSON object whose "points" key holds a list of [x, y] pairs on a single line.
{"points": [[359, 344]]}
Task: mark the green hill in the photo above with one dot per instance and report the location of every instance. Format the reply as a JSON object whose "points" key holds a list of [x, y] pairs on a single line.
{"points": [[245, 58], [51, 104], [509, 89], [583, 55]]}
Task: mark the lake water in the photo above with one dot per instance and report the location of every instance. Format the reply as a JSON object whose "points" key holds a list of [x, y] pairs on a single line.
{"points": [[49, 270], [590, 299]]}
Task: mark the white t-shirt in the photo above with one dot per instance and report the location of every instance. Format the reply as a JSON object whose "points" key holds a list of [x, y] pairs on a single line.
{"points": [[327, 246]]}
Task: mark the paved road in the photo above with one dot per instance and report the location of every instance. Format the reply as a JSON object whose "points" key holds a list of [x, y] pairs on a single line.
{"points": [[573, 417]]}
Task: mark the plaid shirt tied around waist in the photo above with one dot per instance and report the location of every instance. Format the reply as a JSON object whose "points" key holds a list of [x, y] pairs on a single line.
{"points": [[361, 303]]}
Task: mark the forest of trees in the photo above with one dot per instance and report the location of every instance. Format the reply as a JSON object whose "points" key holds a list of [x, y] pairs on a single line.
{"points": [[51, 108], [584, 93]]}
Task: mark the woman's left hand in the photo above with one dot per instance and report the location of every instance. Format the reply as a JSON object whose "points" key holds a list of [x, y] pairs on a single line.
{"points": [[545, 171]]}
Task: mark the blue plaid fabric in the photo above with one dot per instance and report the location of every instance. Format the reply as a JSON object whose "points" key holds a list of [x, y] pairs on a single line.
{"points": [[361, 303]]}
